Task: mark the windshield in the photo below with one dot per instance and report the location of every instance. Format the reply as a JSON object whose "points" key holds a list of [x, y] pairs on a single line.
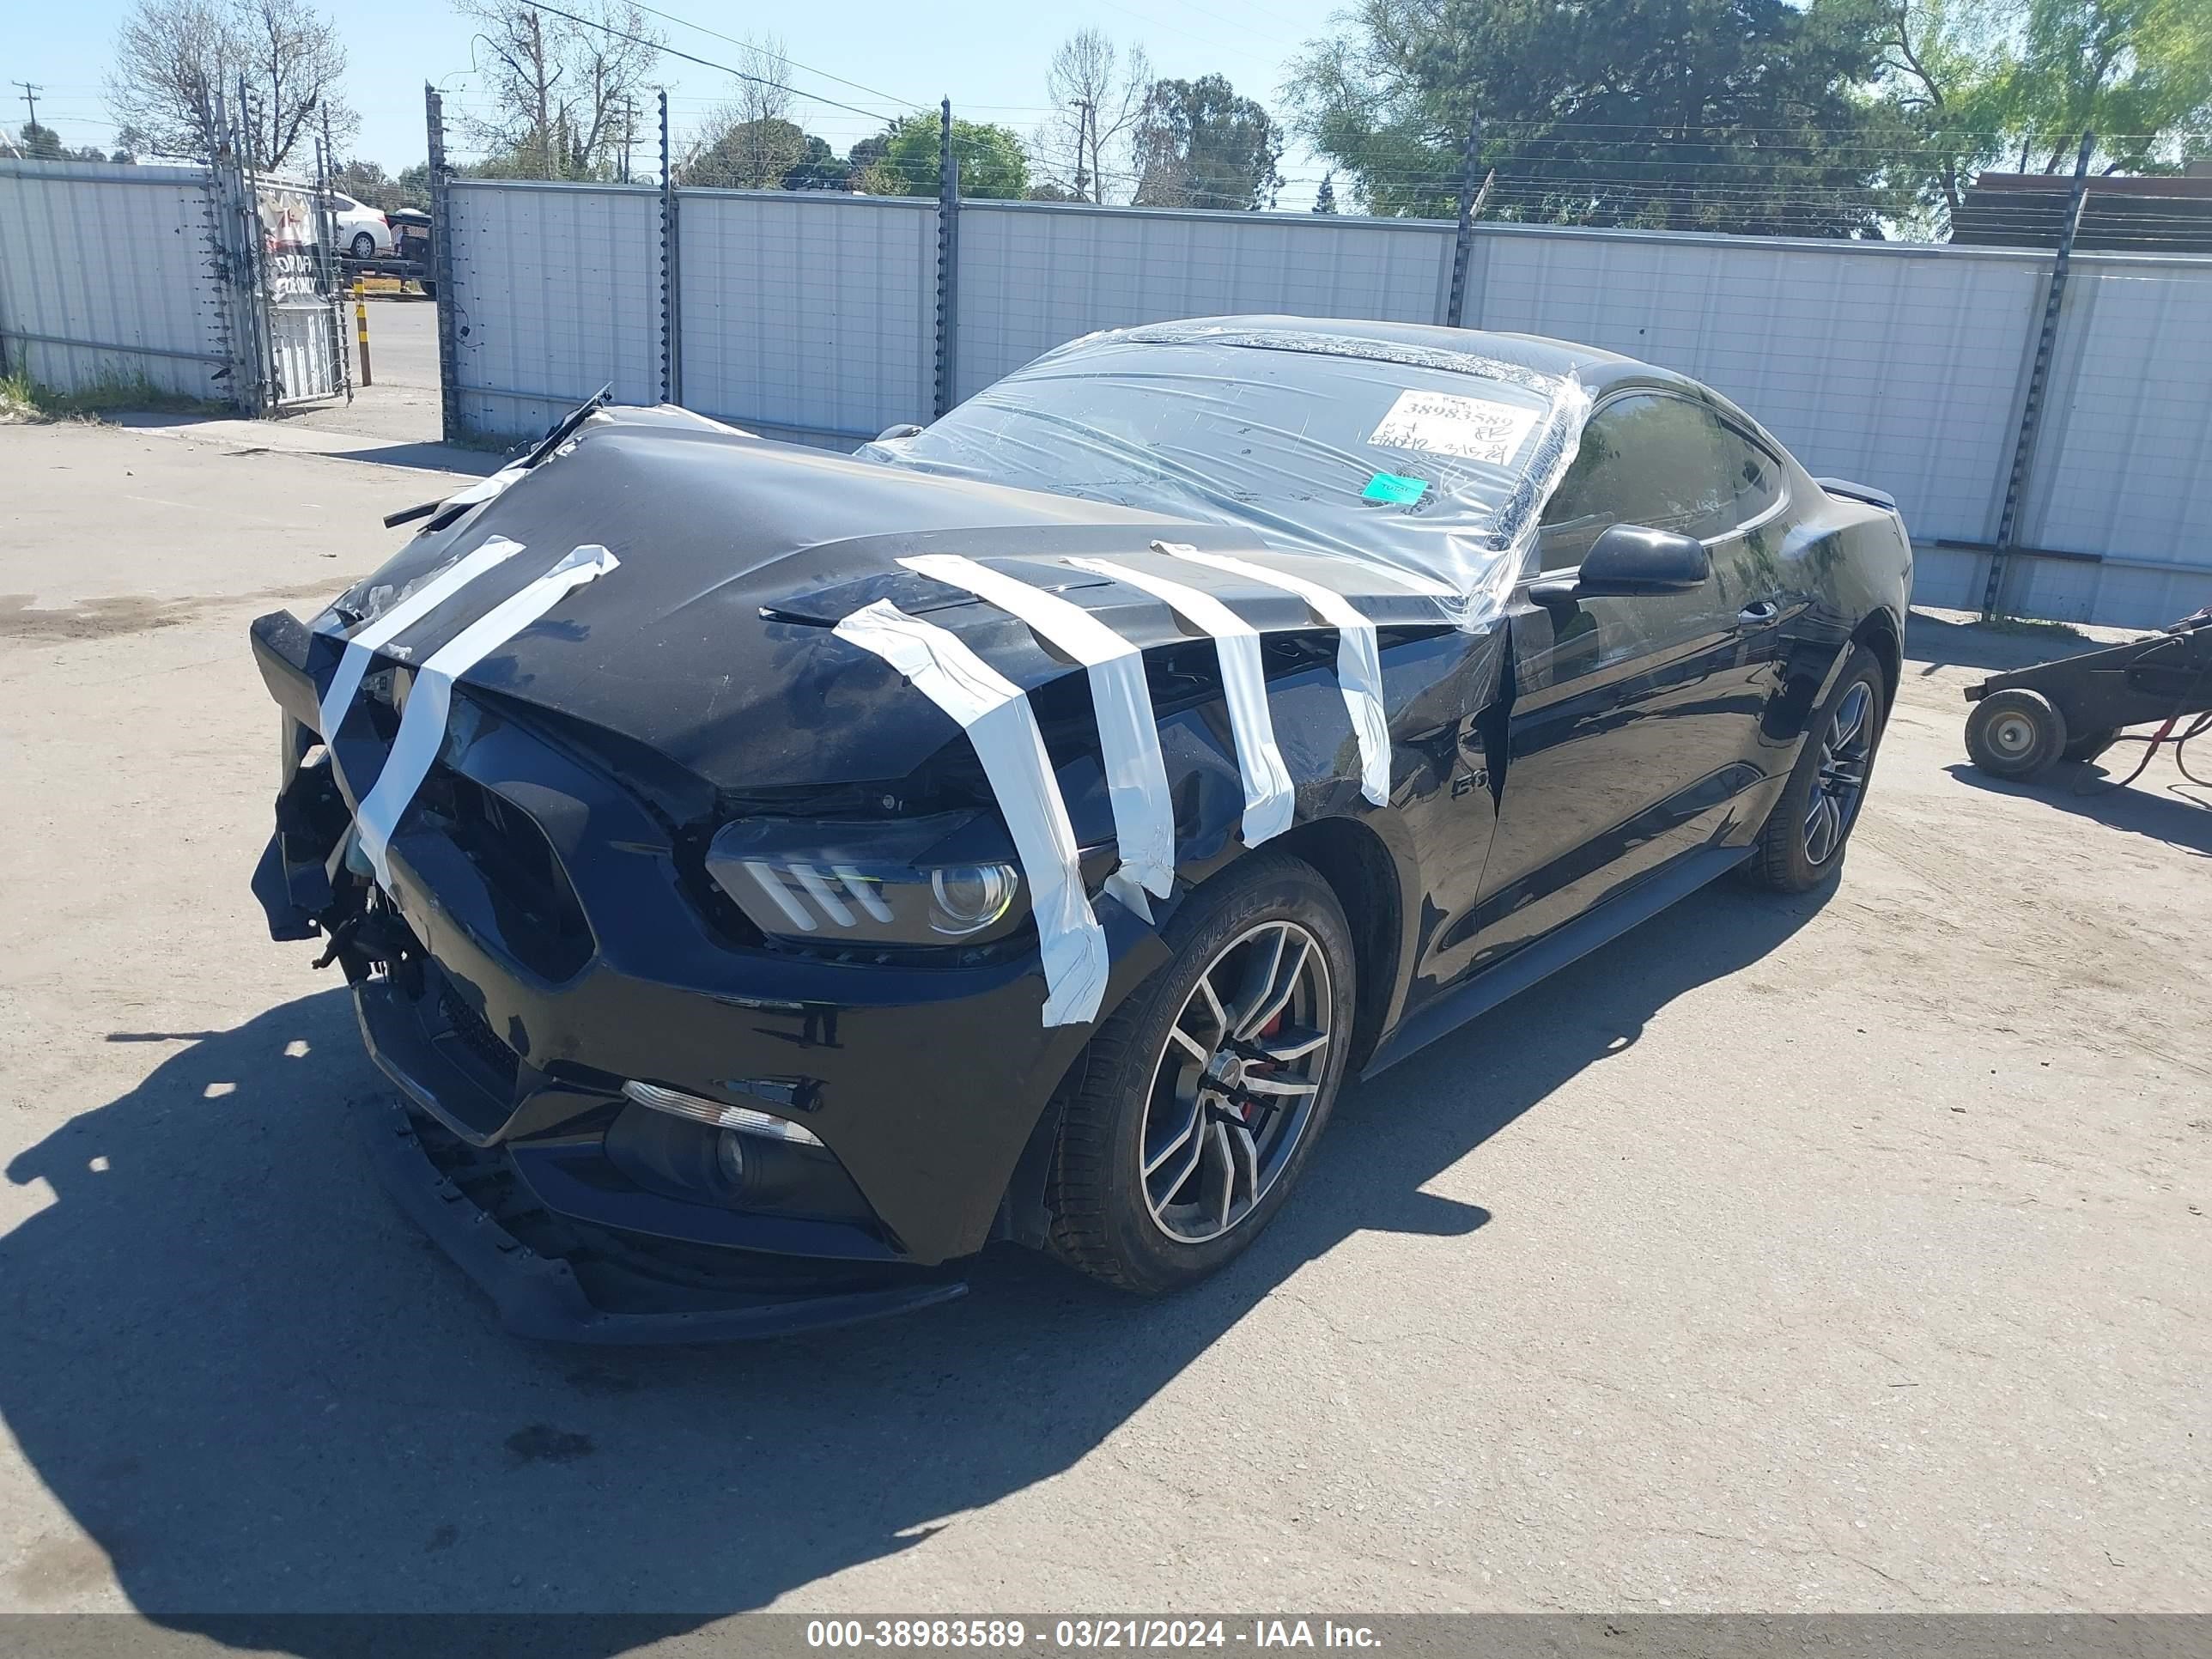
{"points": [[1433, 462]]}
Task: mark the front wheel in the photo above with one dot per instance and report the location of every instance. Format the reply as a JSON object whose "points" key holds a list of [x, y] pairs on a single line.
{"points": [[364, 246], [1188, 1117], [1803, 839]]}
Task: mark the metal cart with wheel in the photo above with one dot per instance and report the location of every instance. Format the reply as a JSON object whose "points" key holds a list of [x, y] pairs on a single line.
{"points": [[2074, 709]]}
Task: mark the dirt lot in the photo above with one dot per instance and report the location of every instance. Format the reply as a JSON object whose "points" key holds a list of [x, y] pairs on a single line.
{"points": [[1843, 1253]]}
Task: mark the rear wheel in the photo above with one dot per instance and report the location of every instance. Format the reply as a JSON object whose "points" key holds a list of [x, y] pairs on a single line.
{"points": [[1803, 839], [2015, 733], [1194, 1108], [364, 244]]}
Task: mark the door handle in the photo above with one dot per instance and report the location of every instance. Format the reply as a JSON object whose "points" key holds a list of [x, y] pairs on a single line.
{"points": [[1761, 611]]}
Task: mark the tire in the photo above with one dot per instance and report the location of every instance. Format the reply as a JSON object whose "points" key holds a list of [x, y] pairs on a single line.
{"points": [[1796, 851], [364, 246], [2015, 733], [2089, 745], [1124, 1094]]}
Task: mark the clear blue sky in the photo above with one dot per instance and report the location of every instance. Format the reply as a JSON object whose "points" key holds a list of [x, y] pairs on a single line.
{"points": [[989, 55]]}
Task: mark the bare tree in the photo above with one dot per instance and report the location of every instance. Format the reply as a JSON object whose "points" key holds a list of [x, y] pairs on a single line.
{"points": [[177, 60], [562, 90], [292, 60], [752, 142], [1097, 94]]}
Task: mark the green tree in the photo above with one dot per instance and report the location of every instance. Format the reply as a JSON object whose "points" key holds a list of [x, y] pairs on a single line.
{"points": [[817, 169], [991, 163], [1963, 85], [1730, 115], [1198, 144], [1325, 198], [1948, 78], [2138, 73], [365, 181], [753, 154], [40, 143]]}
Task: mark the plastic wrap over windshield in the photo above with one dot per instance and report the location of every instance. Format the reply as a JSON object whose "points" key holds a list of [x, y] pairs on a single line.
{"points": [[1435, 464]]}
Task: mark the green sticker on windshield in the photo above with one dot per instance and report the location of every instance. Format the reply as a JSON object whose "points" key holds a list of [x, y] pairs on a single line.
{"points": [[1394, 488]]}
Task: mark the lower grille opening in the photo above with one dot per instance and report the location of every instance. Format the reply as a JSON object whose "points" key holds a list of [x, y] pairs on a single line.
{"points": [[477, 1040]]}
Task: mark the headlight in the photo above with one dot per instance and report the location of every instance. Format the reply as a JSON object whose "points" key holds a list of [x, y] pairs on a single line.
{"points": [[913, 881]]}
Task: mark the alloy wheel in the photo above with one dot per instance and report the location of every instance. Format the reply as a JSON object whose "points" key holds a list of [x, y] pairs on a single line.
{"points": [[1236, 1082], [1840, 782]]}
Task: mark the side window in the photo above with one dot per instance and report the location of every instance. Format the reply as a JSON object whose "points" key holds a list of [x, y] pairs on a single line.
{"points": [[1662, 462], [1758, 478]]}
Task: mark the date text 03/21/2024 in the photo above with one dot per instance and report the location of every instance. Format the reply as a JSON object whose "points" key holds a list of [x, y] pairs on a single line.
{"points": [[1085, 1635]]}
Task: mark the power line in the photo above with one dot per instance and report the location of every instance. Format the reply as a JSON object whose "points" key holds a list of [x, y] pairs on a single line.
{"points": [[781, 57], [689, 58]]}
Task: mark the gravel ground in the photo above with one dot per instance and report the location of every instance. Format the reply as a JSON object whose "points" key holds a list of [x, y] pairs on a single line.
{"points": [[1841, 1254]]}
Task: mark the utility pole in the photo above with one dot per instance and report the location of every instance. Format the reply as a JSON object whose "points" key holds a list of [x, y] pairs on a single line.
{"points": [[31, 91]]}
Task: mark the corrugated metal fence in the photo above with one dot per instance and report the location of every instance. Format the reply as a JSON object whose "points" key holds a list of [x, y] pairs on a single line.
{"points": [[815, 317], [186, 282], [107, 276]]}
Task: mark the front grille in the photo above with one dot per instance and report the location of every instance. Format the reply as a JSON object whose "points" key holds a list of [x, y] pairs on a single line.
{"points": [[532, 903]]}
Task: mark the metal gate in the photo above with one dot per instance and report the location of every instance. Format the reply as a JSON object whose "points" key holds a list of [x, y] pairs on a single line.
{"points": [[299, 288]]}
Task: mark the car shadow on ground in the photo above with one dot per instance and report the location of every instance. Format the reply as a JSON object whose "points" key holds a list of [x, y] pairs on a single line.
{"points": [[259, 1392], [1933, 642], [2160, 804]]}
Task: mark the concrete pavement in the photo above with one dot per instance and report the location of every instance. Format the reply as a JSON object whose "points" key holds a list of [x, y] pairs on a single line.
{"points": [[1842, 1253]]}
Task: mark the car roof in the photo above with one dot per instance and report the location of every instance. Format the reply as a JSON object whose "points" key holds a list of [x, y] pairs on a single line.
{"points": [[1598, 370]]}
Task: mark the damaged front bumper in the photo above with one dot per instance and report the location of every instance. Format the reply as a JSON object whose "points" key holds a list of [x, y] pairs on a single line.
{"points": [[554, 1280], [538, 947]]}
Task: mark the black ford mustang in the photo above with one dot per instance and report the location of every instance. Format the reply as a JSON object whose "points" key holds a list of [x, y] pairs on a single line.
{"points": [[771, 876]]}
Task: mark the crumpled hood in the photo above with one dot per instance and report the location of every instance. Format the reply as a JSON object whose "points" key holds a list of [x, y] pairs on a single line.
{"points": [[711, 641]]}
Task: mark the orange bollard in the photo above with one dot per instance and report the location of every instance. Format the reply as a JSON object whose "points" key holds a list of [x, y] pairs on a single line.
{"points": [[361, 326]]}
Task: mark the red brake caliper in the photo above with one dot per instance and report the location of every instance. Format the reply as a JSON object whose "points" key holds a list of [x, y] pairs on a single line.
{"points": [[1247, 1108]]}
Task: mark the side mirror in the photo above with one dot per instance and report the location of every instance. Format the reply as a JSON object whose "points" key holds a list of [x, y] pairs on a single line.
{"points": [[1628, 560], [903, 429]]}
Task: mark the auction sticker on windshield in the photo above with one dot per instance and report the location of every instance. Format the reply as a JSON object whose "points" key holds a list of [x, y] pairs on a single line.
{"points": [[1444, 424]]}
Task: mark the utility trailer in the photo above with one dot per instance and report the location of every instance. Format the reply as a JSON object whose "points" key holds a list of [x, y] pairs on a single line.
{"points": [[2074, 709]]}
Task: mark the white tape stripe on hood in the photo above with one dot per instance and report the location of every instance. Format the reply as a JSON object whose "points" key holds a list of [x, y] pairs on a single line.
{"points": [[485, 488], [1358, 660], [1128, 731], [422, 726], [997, 717], [378, 631], [1269, 800]]}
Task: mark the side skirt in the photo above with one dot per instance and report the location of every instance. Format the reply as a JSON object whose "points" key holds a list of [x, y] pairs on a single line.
{"points": [[1555, 949]]}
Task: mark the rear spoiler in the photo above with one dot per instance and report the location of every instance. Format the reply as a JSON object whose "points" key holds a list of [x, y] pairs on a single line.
{"points": [[1859, 492]]}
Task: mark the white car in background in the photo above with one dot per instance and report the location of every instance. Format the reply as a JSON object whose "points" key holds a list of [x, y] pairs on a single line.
{"points": [[362, 232]]}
